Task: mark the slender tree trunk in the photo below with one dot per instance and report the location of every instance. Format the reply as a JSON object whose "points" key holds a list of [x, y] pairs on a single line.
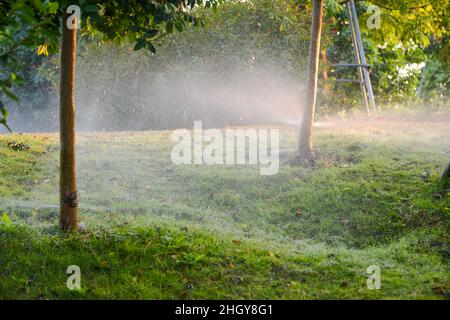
{"points": [[323, 54], [67, 178], [304, 149], [444, 183]]}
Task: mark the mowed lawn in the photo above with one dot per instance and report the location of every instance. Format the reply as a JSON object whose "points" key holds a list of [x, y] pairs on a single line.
{"points": [[155, 230]]}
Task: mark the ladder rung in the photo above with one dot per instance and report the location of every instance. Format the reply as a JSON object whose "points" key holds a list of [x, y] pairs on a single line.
{"points": [[351, 65], [348, 80]]}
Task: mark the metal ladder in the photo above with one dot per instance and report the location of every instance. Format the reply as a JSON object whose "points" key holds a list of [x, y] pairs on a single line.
{"points": [[360, 61]]}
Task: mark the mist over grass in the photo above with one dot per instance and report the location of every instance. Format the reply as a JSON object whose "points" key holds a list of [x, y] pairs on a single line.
{"points": [[369, 200], [350, 199]]}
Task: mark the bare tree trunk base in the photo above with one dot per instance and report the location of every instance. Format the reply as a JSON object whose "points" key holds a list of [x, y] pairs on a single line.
{"points": [[444, 183], [303, 159], [304, 147]]}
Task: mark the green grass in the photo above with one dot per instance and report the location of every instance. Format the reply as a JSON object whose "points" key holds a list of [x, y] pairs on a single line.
{"points": [[156, 230], [156, 263]]}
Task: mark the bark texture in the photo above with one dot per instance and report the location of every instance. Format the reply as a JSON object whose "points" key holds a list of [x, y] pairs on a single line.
{"points": [[444, 183], [68, 181], [324, 58], [305, 129]]}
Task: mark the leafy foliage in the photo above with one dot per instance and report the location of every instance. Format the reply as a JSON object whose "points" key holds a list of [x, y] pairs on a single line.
{"points": [[23, 24], [409, 21], [411, 33], [36, 24], [397, 52], [253, 43]]}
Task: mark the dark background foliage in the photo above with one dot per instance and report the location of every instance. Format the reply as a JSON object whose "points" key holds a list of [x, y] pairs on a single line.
{"points": [[245, 65]]}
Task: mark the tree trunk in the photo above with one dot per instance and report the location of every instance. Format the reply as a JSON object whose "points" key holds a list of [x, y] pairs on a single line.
{"points": [[323, 54], [444, 183], [67, 180], [304, 149]]}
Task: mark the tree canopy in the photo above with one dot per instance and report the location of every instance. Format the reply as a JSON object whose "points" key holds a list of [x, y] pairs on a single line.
{"points": [[36, 24]]}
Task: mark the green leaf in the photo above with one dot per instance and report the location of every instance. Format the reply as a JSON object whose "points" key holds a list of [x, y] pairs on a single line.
{"points": [[3, 110], [38, 5], [5, 124], [151, 47], [140, 43], [6, 220], [169, 27], [53, 7], [90, 8], [179, 25], [151, 33], [10, 95]]}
